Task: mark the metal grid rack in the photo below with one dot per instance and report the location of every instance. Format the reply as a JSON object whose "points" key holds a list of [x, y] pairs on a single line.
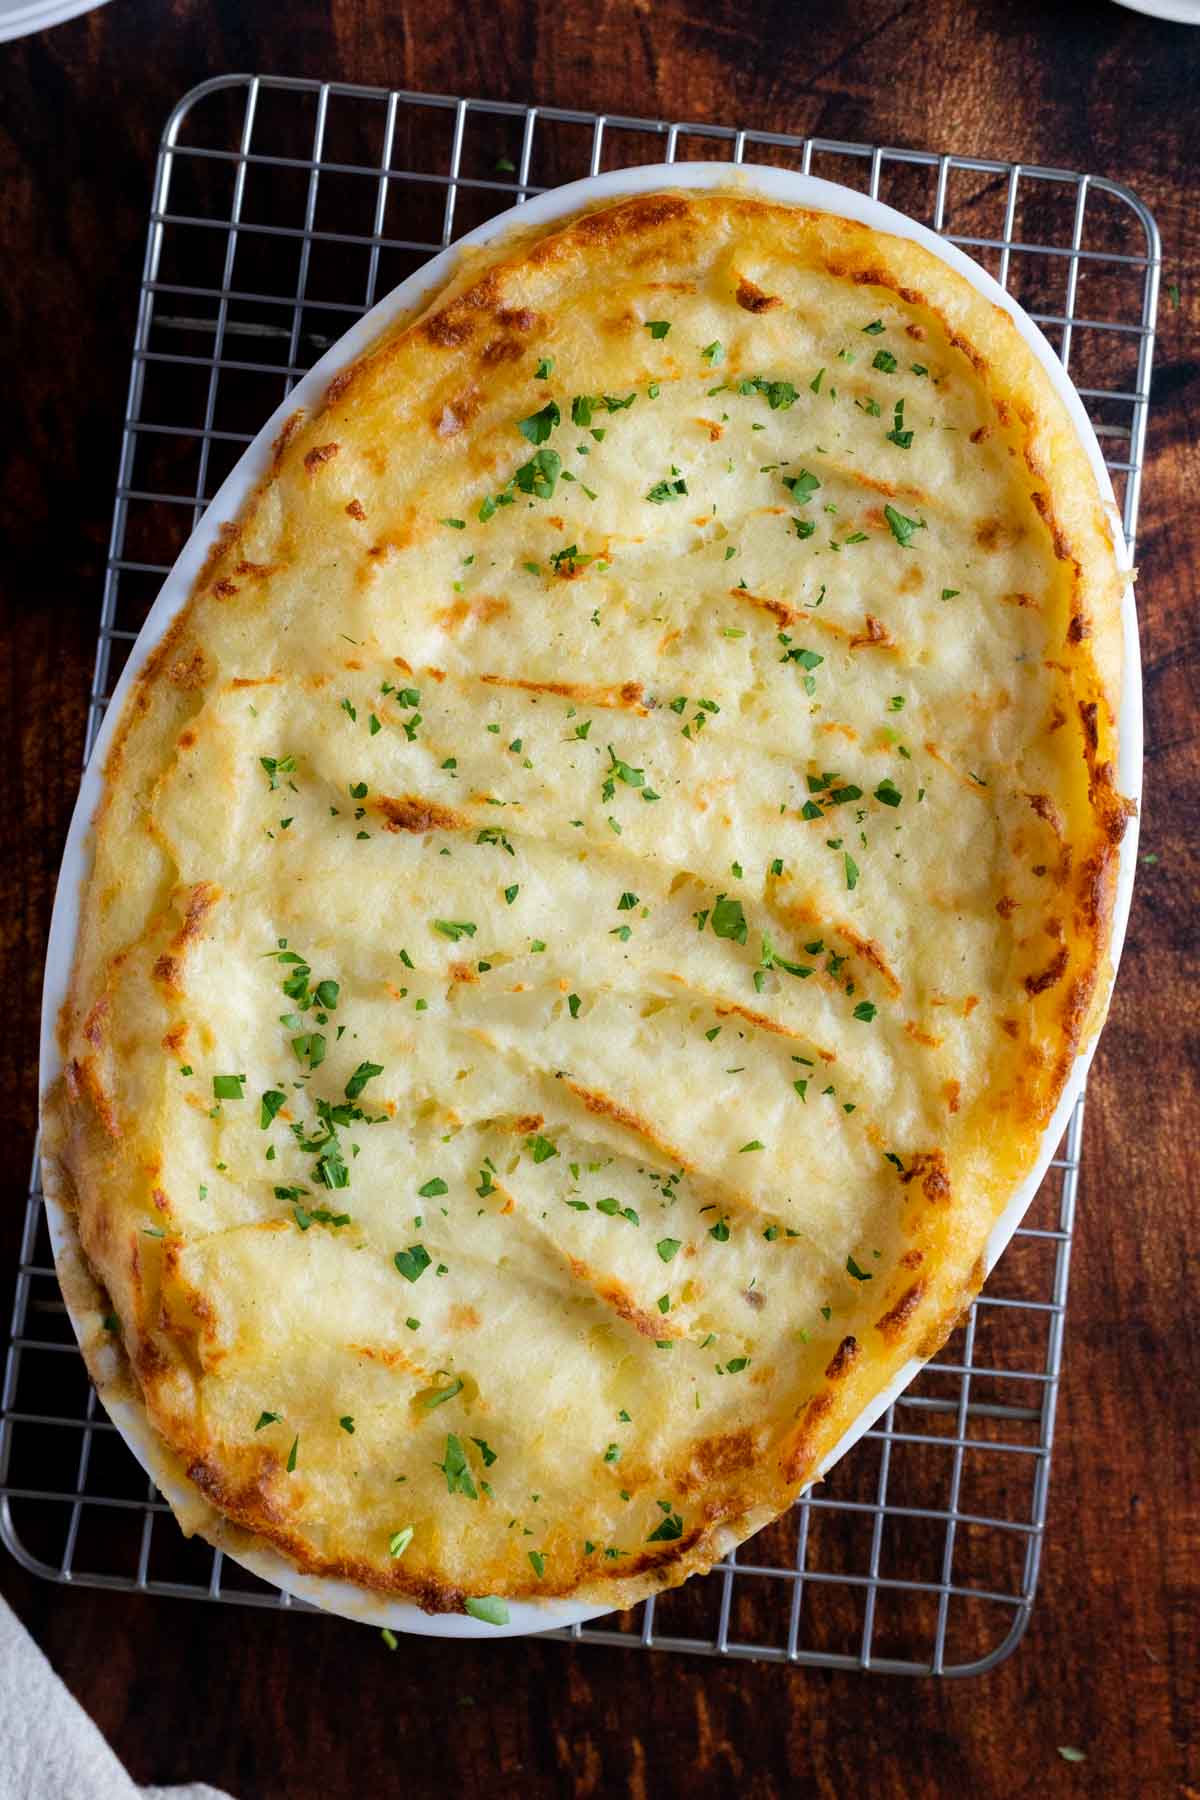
{"points": [[281, 209]]}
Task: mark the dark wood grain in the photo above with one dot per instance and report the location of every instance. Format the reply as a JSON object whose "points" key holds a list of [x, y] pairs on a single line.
{"points": [[270, 1705]]}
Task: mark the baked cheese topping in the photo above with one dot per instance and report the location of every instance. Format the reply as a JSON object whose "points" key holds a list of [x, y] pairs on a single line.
{"points": [[596, 899]]}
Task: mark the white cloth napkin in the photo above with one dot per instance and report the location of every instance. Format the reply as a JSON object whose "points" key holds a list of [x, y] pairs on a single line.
{"points": [[49, 1748]]}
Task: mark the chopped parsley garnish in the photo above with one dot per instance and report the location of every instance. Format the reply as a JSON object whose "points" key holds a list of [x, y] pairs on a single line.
{"points": [[883, 359], [621, 771], [568, 561], [713, 353], [454, 928], [366, 1071], [780, 395], [433, 1189], [897, 435], [888, 793], [399, 1541], [537, 1563], [573, 1004], [851, 871], [320, 1216], [663, 491], [456, 1470], [669, 1528], [902, 528], [804, 528], [865, 1011], [541, 1148], [439, 1396], [510, 893], [538, 426], [728, 919], [544, 369], [770, 959], [413, 1262], [874, 328], [276, 766], [268, 1418], [802, 487], [228, 1087], [491, 1610], [951, 593], [291, 1461], [852, 1268], [658, 328], [720, 1231], [667, 1248], [272, 1100], [539, 475], [613, 1209]]}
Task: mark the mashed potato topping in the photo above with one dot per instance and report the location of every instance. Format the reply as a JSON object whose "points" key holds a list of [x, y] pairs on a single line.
{"points": [[595, 901]]}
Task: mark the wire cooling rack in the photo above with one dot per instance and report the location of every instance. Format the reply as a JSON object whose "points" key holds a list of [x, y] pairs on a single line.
{"points": [[281, 210]]}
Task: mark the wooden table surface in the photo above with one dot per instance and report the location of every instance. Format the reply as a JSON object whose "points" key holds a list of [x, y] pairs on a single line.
{"points": [[269, 1705]]}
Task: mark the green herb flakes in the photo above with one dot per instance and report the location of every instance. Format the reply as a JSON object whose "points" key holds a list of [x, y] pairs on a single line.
{"points": [[902, 528], [455, 1468], [728, 919], [413, 1262], [454, 929], [366, 1071], [491, 1610], [538, 426], [671, 489]]}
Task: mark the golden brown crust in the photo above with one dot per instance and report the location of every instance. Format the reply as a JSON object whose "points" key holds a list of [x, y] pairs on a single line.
{"points": [[960, 1073]]}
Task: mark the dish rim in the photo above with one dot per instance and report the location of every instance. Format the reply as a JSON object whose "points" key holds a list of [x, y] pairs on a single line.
{"points": [[782, 185]]}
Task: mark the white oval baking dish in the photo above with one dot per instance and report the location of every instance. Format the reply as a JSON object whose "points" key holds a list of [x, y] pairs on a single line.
{"points": [[776, 184]]}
